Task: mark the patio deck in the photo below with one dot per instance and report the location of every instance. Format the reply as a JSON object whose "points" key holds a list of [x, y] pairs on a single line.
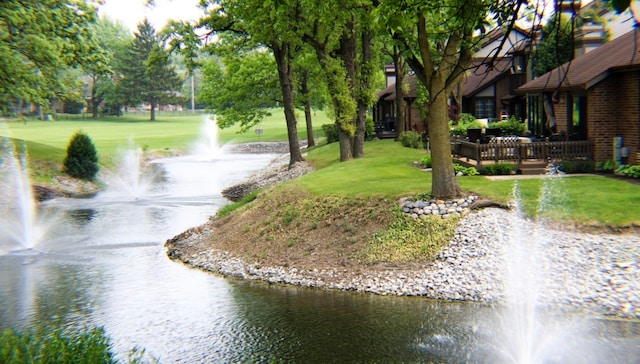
{"points": [[529, 157]]}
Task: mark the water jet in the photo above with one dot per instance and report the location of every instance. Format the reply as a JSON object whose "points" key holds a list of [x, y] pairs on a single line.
{"points": [[21, 227]]}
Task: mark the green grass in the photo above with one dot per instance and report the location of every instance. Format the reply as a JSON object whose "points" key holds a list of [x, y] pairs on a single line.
{"points": [[46, 141], [387, 171]]}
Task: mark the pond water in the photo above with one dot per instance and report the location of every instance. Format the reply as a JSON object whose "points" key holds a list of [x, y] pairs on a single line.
{"points": [[103, 264]]}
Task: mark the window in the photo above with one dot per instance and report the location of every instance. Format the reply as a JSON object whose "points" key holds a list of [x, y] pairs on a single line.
{"points": [[485, 107]]}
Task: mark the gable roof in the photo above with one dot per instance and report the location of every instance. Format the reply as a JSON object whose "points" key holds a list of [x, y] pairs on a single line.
{"points": [[389, 92], [586, 71], [480, 75]]}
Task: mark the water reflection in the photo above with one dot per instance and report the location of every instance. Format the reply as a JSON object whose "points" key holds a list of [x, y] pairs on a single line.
{"points": [[303, 325], [105, 265]]}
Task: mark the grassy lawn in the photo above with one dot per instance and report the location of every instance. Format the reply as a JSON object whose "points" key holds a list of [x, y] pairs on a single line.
{"points": [[386, 170], [46, 141]]}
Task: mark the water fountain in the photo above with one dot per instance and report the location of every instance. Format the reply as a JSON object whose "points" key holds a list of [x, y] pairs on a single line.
{"points": [[21, 227], [525, 329], [207, 147], [132, 180]]}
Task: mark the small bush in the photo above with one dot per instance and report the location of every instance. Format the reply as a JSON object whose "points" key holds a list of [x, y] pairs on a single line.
{"points": [[330, 132], [606, 166], [426, 161], [498, 169], [410, 139], [465, 122], [369, 129], [512, 126], [55, 346], [632, 171], [464, 171], [82, 158], [576, 167]]}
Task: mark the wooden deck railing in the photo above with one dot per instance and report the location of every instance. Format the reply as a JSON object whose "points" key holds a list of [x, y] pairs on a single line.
{"points": [[517, 150]]}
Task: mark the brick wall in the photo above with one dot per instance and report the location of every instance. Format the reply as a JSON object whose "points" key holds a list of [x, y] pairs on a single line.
{"points": [[613, 109], [561, 110]]}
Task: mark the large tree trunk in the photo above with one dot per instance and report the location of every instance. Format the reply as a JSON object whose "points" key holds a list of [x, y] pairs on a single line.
{"points": [[348, 53], [362, 94], [443, 184], [281, 54]]}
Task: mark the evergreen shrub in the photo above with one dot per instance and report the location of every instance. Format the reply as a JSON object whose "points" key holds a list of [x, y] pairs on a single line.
{"points": [[410, 139], [82, 158], [330, 132], [498, 169], [576, 167]]}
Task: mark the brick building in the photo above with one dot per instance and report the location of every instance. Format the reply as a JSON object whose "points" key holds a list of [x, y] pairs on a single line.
{"points": [[595, 97]]}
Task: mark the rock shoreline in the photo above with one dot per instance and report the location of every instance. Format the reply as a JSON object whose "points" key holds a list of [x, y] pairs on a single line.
{"points": [[595, 273]]}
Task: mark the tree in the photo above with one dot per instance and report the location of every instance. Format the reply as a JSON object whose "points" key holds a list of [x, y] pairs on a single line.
{"points": [[311, 88], [267, 24], [82, 158], [241, 89], [556, 45], [113, 39], [147, 74], [437, 39], [347, 60], [39, 40]]}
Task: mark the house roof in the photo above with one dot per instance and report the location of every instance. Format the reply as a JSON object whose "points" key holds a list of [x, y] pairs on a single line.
{"points": [[586, 71], [389, 92], [481, 75]]}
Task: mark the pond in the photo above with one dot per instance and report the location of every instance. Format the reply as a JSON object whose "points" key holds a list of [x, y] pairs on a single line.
{"points": [[103, 264]]}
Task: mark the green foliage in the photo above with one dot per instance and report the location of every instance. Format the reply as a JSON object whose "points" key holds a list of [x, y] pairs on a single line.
{"points": [[241, 89], [227, 209], [408, 239], [330, 132], [55, 346], [627, 170], [464, 171], [369, 129], [410, 139], [426, 161], [607, 166], [498, 169], [82, 158], [556, 45], [466, 121], [512, 126], [574, 166], [40, 39], [147, 74]]}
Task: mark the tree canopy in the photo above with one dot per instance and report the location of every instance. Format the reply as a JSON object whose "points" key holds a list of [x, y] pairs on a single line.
{"points": [[39, 39], [146, 72]]}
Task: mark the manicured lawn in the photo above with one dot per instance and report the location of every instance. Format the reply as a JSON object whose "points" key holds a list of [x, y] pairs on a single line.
{"points": [[47, 140], [387, 171]]}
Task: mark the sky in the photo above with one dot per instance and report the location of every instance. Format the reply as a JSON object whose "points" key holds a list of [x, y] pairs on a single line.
{"points": [[131, 12]]}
